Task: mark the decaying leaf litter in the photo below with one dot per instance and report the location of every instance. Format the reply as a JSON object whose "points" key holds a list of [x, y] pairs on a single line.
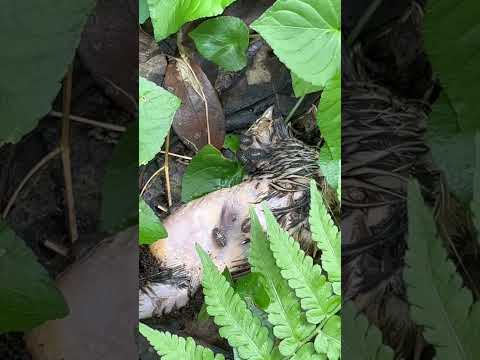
{"points": [[244, 97]]}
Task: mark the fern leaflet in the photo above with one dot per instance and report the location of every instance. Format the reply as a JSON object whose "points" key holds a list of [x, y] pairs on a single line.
{"points": [[284, 311], [316, 295], [328, 341], [361, 340], [237, 324], [439, 301], [173, 347], [326, 236]]}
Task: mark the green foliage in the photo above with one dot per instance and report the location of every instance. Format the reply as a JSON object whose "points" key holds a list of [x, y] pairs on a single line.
{"points": [[452, 40], [305, 277], [360, 339], [121, 177], [224, 41], [172, 347], [439, 301], [446, 141], [309, 333], [157, 109], [232, 142], [302, 87], [150, 227], [208, 171], [329, 116], [28, 296], [143, 12], [168, 16], [284, 312], [328, 340], [327, 238], [237, 323], [305, 35], [31, 59]]}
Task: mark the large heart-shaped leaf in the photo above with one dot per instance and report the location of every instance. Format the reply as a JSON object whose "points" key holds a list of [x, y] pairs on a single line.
{"points": [[168, 16], [28, 296], [223, 40], [305, 35], [157, 108], [329, 116], [452, 40], [38, 40], [151, 228]]}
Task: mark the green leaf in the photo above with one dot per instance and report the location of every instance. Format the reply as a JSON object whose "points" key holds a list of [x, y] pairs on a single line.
{"points": [[253, 285], [307, 352], [302, 87], [143, 11], [439, 301], [157, 109], [38, 41], [119, 212], [452, 41], [326, 235], [306, 278], [208, 171], [305, 35], [223, 40], [173, 347], [329, 116], [328, 341], [168, 16], [446, 142], [232, 142], [28, 296], [330, 168], [237, 324], [284, 312], [151, 228], [360, 339]]}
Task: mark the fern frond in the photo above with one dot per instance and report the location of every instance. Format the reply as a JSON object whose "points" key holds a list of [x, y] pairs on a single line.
{"points": [[361, 340], [284, 312], [173, 347], [439, 301], [327, 237], [328, 341], [242, 330], [316, 294]]}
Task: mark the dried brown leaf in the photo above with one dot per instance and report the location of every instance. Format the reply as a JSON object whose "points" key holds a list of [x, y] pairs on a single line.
{"points": [[191, 85]]}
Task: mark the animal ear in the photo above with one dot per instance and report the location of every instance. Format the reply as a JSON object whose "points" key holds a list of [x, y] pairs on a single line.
{"points": [[268, 114], [281, 129]]}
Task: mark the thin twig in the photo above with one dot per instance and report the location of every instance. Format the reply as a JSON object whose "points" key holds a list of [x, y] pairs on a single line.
{"points": [[27, 177], [363, 21], [164, 209], [177, 155], [124, 92], [150, 179], [59, 249], [66, 161], [167, 172], [295, 108], [84, 120]]}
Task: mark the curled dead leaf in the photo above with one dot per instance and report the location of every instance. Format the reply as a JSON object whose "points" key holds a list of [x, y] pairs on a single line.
{"points": [[200, 119]]}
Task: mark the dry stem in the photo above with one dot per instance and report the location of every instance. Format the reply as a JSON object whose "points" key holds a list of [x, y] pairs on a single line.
{"points": [[167, 173], [84, 120]]}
